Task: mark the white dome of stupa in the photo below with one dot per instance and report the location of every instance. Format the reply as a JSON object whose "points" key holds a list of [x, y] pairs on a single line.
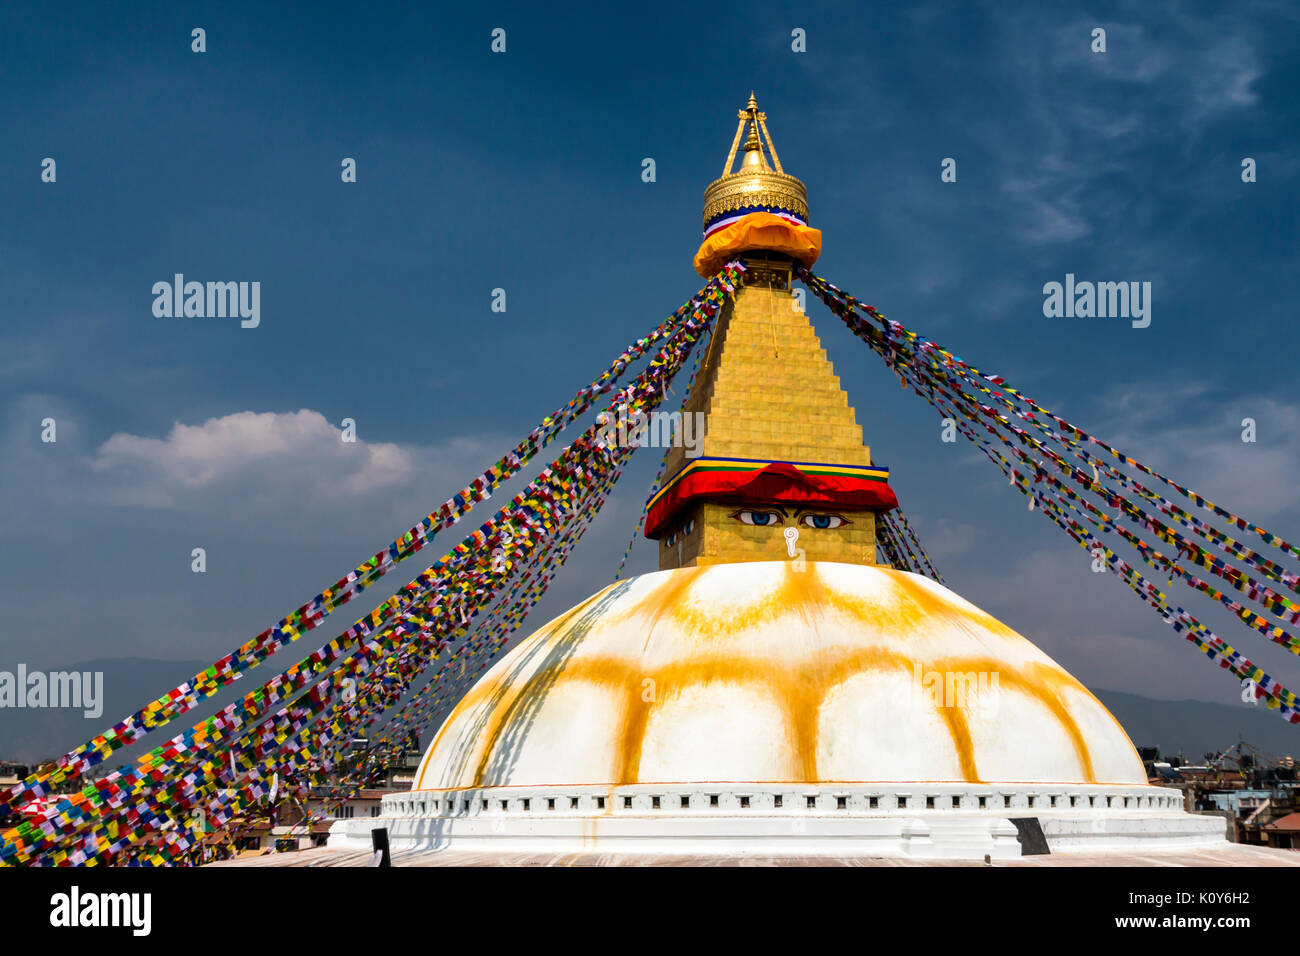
{"points": [[768, 671], [781, 707]]}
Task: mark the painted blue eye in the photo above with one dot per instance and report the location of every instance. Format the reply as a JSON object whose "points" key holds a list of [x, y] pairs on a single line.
{"points": [[762, 519], [823, 521]]}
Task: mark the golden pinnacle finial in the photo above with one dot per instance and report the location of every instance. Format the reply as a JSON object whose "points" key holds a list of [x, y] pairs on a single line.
{"points": [[756, 183], [751, 117], [753, 149]]}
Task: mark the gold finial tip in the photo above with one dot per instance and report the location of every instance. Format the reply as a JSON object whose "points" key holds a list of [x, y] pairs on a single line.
{"points": [[756, 184]]}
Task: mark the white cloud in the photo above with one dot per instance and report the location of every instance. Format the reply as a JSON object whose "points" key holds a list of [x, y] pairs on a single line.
{"points": [[298, 449], [272, 467], [279, 503]]}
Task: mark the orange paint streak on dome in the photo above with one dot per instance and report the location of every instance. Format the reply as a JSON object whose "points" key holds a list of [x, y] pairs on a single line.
{"points": [[802, 590], [665, 598]]}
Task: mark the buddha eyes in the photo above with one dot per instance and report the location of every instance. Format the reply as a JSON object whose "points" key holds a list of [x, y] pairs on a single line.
{"points": [[686, 529], [822, 521], [764, 519]]}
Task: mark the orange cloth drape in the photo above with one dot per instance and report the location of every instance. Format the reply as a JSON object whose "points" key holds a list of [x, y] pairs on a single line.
{"points": [[758, 230]]}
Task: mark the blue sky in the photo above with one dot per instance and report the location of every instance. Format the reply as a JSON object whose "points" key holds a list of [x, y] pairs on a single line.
{"points": [[522, 171]]}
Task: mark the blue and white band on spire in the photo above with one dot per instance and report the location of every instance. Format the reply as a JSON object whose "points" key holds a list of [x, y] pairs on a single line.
{"points": [[727, 218]]}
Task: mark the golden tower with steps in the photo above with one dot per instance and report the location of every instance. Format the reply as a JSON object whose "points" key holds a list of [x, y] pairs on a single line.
{"points": [[767, 390]]}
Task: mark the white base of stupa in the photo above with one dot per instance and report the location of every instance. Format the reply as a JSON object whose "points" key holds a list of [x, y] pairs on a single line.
{"points": [[913, 820]]}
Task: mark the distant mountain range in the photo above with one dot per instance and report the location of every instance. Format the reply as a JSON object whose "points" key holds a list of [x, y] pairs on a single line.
{"points": [[1197, 727], [1192, 726]]}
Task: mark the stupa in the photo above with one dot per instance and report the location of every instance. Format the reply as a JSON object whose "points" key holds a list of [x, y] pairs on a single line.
{"points": [[772, 689]]}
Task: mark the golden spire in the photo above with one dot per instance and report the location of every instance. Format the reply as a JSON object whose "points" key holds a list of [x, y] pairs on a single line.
{"points": [[775, 468], [757, 184], [765, 392]]}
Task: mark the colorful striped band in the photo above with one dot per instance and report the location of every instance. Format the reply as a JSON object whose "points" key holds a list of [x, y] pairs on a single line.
{"points": [[725, 219]]}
